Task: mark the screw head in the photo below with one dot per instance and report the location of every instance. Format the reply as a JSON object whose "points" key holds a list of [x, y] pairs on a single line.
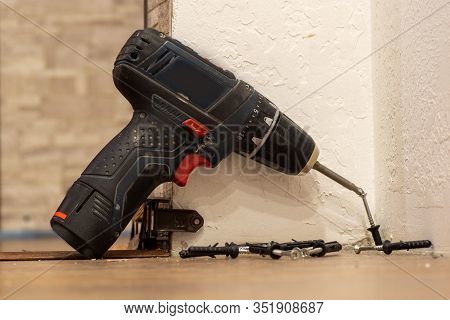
{"points": [[296, 254]]}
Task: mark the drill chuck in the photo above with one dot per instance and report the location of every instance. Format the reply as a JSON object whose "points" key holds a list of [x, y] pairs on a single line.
{"points": [[288, 149]]}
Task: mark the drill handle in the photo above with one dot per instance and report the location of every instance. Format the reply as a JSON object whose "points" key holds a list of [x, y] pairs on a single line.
{"points": [[100, 204]]}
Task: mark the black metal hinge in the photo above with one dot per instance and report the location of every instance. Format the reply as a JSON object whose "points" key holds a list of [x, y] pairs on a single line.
{"points": [[154, 226]]}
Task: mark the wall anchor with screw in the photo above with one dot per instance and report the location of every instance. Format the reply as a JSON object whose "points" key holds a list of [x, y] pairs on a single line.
{"points": [[294, 249], [387, 247]]}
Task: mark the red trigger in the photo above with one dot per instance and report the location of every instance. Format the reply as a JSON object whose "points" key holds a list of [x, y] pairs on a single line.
{"points": [[189, 163]]}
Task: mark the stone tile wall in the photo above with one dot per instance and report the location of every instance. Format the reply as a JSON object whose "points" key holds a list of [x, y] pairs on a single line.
{"points": [[58, 105]]}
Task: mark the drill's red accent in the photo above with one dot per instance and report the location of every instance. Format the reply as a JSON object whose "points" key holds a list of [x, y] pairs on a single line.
{"points": [[196, 127], [189, 163], [60, 215]]}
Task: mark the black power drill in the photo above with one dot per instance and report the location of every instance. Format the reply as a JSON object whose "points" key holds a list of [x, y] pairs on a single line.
{"points": [[187, 113]]}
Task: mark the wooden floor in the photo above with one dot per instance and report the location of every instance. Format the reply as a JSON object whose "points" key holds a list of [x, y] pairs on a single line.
{"points": [[342, 276]]}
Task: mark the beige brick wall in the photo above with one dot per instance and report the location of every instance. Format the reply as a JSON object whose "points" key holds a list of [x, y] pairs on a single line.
{"points": [[160, 15], [59, 106]]}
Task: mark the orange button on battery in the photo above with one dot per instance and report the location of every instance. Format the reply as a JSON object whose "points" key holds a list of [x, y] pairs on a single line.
{"points": [[60, 215]]}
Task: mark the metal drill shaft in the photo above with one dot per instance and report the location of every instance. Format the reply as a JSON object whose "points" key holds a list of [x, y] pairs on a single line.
{"points": [[338, 178], [359, 191], [366, 205]]}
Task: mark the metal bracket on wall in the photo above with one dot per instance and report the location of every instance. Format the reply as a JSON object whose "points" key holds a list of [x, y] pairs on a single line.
{"points": [[152, 227]]}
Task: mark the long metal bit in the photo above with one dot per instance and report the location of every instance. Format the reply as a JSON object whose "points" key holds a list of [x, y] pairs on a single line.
{"points": [[359, 191]]}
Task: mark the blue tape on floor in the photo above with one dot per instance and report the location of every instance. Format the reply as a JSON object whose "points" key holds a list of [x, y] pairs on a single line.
{"points": [[25, 234]]}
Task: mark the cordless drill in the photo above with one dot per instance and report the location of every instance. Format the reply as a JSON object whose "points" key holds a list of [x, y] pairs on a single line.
{"points": [[187, 112]]}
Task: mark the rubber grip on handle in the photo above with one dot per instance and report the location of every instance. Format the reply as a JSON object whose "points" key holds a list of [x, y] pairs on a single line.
{"points": [[104, 199]]}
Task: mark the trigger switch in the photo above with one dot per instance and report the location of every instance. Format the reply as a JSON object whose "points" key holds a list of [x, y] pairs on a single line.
{"points": [[195, 127], [189, 163]]}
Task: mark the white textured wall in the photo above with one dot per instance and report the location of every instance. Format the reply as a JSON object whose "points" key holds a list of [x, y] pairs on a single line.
{"points": [[287, 49], [412, 113]]}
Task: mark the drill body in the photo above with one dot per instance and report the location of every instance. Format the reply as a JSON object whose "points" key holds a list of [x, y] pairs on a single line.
{"points": [[187, 112]]}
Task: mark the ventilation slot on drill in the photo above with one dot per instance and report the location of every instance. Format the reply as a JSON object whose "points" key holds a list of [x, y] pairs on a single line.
{"points": [[102, 208], [162, 62]]}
